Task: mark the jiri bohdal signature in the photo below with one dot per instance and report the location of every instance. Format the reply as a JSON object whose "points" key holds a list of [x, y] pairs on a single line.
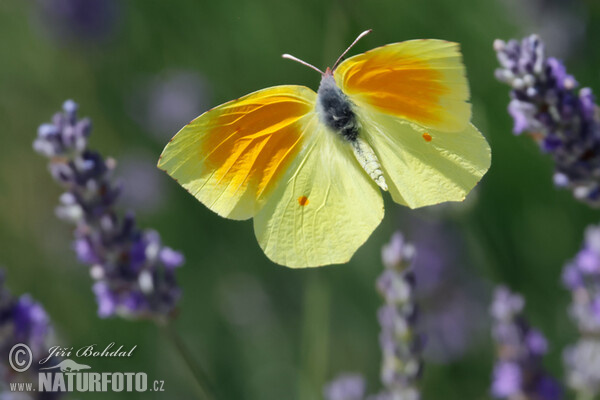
{"points": [[91, 350]]}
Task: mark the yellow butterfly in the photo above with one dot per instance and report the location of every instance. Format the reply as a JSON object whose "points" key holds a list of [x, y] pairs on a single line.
{"points": [[308, 167]]}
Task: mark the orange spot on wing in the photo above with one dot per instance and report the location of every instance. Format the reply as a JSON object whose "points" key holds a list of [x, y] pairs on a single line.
{"points": [[407, 87], [250, 144], [427, 137], [303, 201]]}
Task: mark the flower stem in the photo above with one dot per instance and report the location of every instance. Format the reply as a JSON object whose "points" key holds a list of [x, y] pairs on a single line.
{"points": [[204, 386]]}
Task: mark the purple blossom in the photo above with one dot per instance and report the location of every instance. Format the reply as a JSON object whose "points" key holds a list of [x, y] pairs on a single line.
{"points": [[564, 122], [582, 365], [452, 323], [401, 345], [507, 380], [582, 277], [518, 373], [31, 323], [536, 342], [162, 104], [346, 387], [25, 319], [449, 293], [22, 320], [133, 272], [396, 252], [78, 20], [557, 20], [171, 258]]}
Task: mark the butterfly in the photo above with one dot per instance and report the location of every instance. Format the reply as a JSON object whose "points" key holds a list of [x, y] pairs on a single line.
{"points": [[309, 167]]}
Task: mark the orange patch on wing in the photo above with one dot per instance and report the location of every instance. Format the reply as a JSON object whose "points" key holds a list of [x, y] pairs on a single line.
{"points": [[303, 201], [427, 137], [251, 143], [407, 87]]}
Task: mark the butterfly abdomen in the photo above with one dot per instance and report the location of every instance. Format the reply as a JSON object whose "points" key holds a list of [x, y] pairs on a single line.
{"points": [[335, 109], [369, 162]]}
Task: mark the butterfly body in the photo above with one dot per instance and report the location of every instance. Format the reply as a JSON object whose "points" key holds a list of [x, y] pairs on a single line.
{"points": [[309, 167], [335, 111], [335, 108]]}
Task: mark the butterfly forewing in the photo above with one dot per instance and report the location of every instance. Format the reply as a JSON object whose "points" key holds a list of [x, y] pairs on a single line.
{"points": [[232, 157], [422, 81]]}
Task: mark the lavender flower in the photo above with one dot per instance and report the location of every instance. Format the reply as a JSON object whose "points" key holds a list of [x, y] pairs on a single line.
{"points": [[564, 122], [582, 277], [453, 318], [346, 387], [556, 20], [134, 273], [22, 320], [401, 346], [518, 373], [78, 20], [164, 103]]}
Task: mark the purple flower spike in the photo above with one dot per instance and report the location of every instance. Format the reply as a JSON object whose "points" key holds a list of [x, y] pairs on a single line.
{"points": [[134, 273], [518, 373], [564, 122], [401, 346], [582, 277], [78, 20], [346, 387], [22, 320], [507, 380]]}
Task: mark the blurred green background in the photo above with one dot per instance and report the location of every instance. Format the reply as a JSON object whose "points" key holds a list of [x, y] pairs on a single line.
{"points": [[140, 69]]}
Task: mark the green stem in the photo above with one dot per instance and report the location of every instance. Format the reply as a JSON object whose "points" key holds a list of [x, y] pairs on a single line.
{"points": [[205, 388], [315, 338]]}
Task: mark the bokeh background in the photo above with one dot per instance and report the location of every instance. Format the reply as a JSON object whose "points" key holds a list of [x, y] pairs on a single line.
{"points": [[141, 69]]}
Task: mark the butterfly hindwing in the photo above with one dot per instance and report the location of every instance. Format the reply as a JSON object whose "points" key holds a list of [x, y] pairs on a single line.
{"points": [[232, 157], [326, 209], [424, 166]]}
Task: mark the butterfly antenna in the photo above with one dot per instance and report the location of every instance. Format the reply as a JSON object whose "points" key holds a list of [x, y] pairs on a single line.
{"points": [[291, 57], [365, 33]]}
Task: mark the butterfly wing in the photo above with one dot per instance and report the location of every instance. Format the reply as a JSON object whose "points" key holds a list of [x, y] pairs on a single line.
{"points": [[326, 209], [422, 81], [424, 166], [411, 101], [267, 156], [232, 157]]}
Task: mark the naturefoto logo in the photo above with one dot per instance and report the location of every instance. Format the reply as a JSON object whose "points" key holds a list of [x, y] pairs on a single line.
{"points": [[68, 366], [71, 376]]}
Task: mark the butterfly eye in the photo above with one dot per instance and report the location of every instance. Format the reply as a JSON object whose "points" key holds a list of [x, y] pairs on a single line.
{"points": [[427, 137], [303, 200]]}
